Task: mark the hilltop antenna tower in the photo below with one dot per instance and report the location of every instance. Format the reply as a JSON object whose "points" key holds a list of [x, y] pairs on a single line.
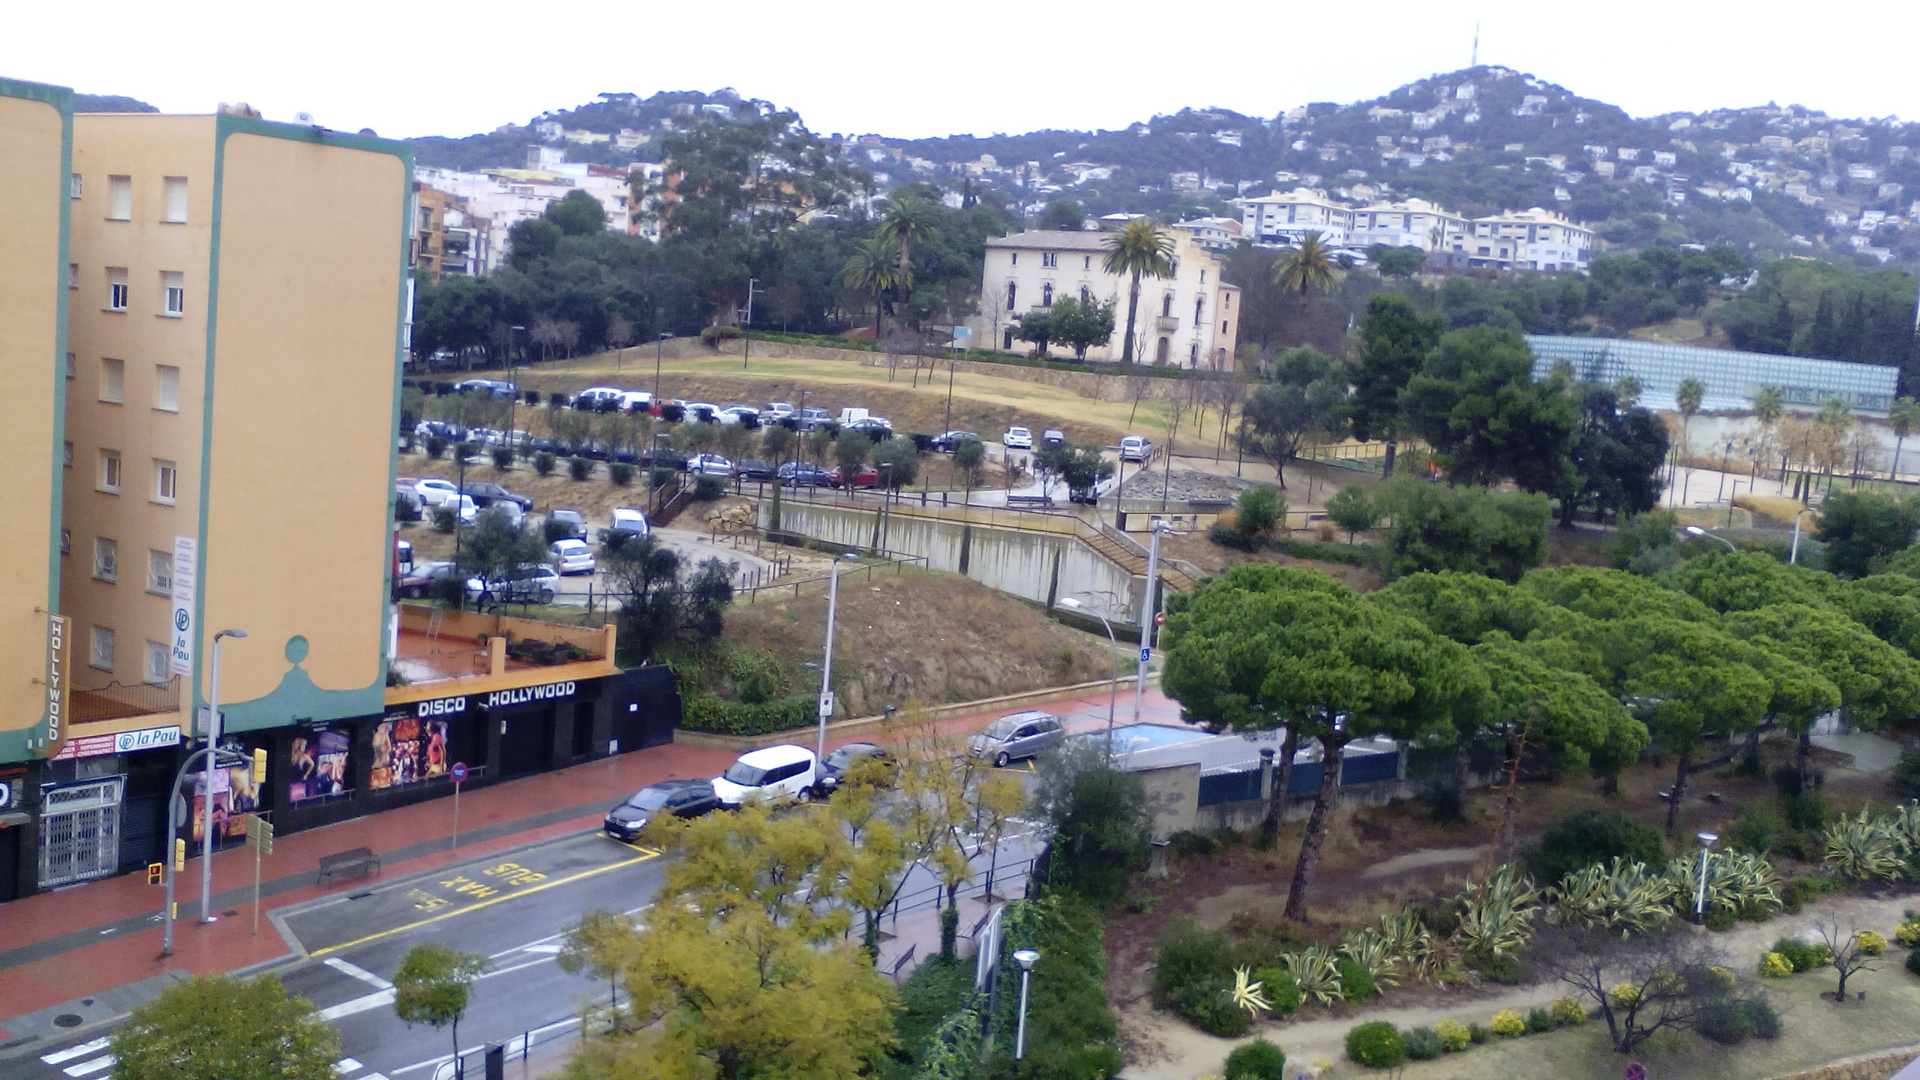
{"points": [[1475, 61]]}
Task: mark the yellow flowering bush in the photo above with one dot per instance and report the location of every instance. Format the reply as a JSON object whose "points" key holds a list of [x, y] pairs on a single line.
{"points": [[1625, 995], [1872, 944], [1775, 966], [1907, 934], [1454, 1035], [1725, 976], [1566, 1010], [1508, 1023]]}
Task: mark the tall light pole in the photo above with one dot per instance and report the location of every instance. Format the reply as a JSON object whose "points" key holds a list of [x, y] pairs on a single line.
{"points": [[1146, 612], [1794, 556], [1700, 896], [826, 665], [1695, 530], [213, 742], [658, 348], [1113, 685], [1026, 958]]}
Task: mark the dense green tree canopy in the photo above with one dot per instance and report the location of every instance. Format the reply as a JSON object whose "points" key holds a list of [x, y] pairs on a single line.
{"points": [[1475, 401], [219, 1027]]}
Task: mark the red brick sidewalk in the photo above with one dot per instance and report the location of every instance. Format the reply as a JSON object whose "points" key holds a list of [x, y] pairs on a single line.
{"points": [[124, 955]]}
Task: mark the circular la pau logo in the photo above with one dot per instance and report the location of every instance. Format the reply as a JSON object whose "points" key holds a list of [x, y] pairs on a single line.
{"points": [[182, 619]]}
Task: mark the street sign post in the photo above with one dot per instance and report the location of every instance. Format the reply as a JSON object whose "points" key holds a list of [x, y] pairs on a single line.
{"points": [[1636, 1071], [459, 774], [1146, 653], [260, 839]]}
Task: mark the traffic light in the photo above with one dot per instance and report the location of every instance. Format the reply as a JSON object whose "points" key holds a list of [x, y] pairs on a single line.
{"points": [[179, 855], [154, 870], [260, 766]]}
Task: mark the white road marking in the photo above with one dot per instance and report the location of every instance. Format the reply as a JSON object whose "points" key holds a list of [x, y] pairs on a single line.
{"points": [[345, 1066], [358, 1005], [88, 1067], [354, 971], [72, 1052], [545, 948]]}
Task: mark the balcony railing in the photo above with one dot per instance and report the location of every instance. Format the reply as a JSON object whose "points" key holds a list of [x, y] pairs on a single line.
{"points": [[114, 701], [1166, 322]]}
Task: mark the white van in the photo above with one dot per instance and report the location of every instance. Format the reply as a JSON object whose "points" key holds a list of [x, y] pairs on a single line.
{"points": [[776, 772], [848, 416]]}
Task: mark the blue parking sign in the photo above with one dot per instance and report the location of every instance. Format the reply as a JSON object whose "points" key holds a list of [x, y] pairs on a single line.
{"points": [[1145, 653]]}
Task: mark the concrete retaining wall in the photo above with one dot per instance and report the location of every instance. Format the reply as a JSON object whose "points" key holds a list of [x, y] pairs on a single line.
{"points": [[1878, 1066]]}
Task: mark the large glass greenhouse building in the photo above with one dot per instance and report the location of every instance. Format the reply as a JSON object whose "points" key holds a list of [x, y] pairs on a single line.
{"points": [[1731, 378]]}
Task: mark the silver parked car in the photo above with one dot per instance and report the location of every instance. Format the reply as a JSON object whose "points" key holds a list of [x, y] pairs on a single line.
{"points": [[1017, 735]]}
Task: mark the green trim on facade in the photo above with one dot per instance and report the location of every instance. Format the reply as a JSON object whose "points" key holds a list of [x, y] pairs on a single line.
{"points": [[296, 699], [14, 744]]}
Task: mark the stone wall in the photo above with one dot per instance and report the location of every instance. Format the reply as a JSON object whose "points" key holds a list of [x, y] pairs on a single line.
{"points": [[1880, 1066]]}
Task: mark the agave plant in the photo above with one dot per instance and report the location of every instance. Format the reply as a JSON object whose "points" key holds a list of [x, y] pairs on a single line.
{"points": [[1494, 916], [1737, 881], [1315, 974], [1865, 849], [1416, 950], [1372, 948], [1623, 896], [1904, 821]]}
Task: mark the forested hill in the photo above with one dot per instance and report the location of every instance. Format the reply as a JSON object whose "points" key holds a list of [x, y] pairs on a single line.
{"points": [[1767, 179]]}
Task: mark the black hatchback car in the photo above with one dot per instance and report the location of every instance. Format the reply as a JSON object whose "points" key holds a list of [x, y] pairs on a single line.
{"points": [[753, 468], [681, 798], [802, 474], [841, 758]]}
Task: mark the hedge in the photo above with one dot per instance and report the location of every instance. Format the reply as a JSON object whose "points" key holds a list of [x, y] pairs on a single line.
{"points": [[718, 716], [985, 357]]}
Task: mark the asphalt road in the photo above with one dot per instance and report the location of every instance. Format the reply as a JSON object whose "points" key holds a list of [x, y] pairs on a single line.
{"points": [[511, 907]]}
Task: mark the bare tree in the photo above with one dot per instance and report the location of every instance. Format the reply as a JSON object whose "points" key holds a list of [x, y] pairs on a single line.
{"points": [[1640, 986], [1844, 953], [566, 335], [620, 332]]}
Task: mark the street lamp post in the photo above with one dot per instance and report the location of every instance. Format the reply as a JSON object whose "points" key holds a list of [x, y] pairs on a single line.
{"points": [[213, 742], [658, 348], [1695, 530], [826, 665], [1146, 612], [1700, 895], [1793, 557], [1026, 958], [1113, 685]]}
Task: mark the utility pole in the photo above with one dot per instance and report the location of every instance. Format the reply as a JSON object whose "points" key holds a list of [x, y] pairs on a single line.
{"points": [[1147, 608], [213, 743], [826, 665]]}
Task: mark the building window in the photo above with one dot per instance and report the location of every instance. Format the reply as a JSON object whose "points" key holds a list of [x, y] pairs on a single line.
{"points": [[101, 654], [1166, 306], [166, 388], [1223, 327], [1012, 290], [173, 286], [1198, 303], [1160, 351], [1193, 355], [110, 471], [160, 573], [1046, 295], [1049, 259], [106, 559], [73, 186], [1086, 295], [1203, 277], [113, 380], [116, 288], [166, 481], [73, 275], [120, 198], [158, 663], [166, 478], [1088, 265], [176, 200]]}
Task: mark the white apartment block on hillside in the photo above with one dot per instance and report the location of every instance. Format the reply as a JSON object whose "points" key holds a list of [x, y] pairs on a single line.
{"points": [[1190, 319], [505, 197], [1532, 239]]}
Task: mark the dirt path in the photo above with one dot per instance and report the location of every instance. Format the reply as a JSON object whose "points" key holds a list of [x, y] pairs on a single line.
{"points": [[1185, 1052]]}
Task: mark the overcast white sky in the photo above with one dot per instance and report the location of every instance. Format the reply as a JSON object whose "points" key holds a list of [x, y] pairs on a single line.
{"points": [[920, 69]]}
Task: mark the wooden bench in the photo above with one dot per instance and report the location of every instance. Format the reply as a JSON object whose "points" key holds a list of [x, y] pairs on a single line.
{"points": [[359, 862], [1029, 500]]}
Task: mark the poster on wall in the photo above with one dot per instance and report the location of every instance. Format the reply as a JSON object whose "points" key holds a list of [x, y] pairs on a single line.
{"points": [[407, 750], [234, 797], [319, 761]]}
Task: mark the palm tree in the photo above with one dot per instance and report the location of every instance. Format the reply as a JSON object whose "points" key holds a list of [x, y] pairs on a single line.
{"points": [[1142, 248], [908, 221], [1687, 396], [1769, 405], [1626, 391], [1305, 267], [1905, 417], [870, 269]]}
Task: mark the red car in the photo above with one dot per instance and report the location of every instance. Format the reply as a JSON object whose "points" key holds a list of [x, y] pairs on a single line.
{"points": [[865, 476]]}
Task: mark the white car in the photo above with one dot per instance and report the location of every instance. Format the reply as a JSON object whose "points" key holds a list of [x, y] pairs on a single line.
{"points": [[1135, 448], [734, 414], [1017, 438], [703, 410], [776, 772], [505, 508], [571, 556], [464, 504], [709, 465], [779, 410], [595, 397], [434, 491], [636, 401], [625, 519]]}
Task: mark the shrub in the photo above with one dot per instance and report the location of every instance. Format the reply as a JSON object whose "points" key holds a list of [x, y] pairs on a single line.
{"points": [[1505, 968], [503, 458], [1804, 956], [1259, 508], [1232, 538], [1775, 966], [1453, 1035], [1188, 842], [714, 335], [1871, 943], [1720, 918], [1508, 1024], [436, 445], [1566, 1010], [1734, 1021], [1422, 1044], [1477, 1034], [620, 473], [1189, 955], [579, 468], [1585, 837], [704, 712], [464, 450], [1313, 549], [543, 463], [1377, 1045], [1913, 961], [1282, 993], [1257, 1060], [1208, 1005], [1539, 1020], [1908, 932], [556, 400], [1356, 982], [1805, 890], [445, 519], [708, 488], [1906, 775], [1761, 1018]]}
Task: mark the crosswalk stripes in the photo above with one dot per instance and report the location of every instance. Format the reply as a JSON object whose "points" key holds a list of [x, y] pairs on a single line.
{"points": [[344, 1067]]}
